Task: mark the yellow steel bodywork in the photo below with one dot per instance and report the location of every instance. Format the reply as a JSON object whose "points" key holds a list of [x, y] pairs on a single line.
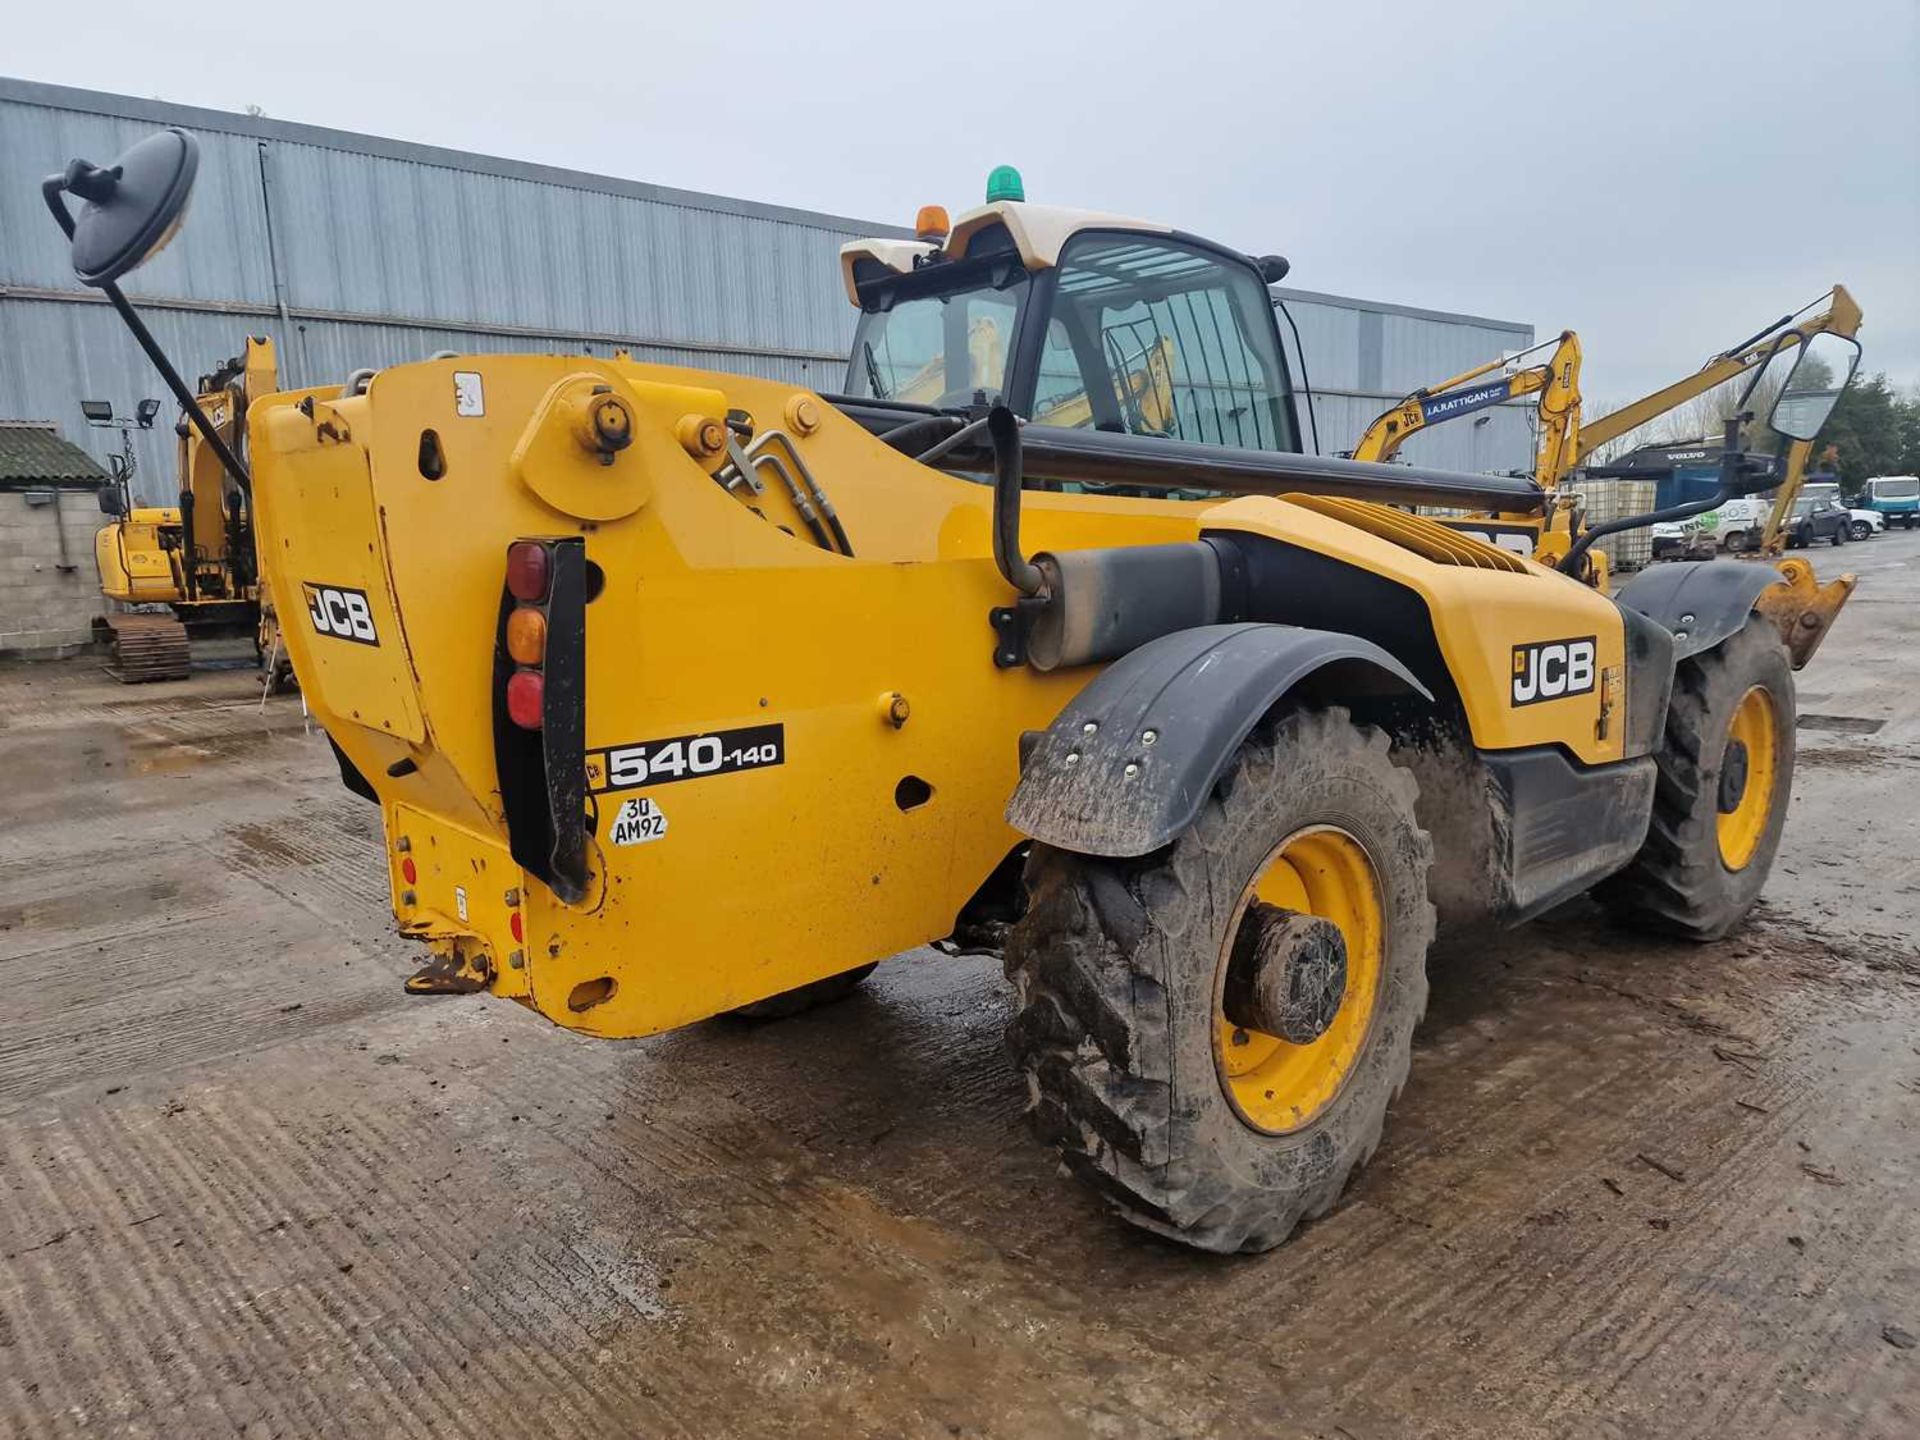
{"points": [[718, 612], [135, 565], [1479, 617]]}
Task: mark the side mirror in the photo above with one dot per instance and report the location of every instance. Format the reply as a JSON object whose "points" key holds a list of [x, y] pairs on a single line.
{"points": [[1273, 268], [132, 207], [112, 503], [1823, 370]]}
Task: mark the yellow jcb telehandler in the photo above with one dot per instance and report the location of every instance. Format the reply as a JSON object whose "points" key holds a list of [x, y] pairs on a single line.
{"points": [[682, 691]]}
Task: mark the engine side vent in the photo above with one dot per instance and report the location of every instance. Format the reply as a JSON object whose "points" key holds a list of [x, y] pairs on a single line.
{"points": [[1439, 543]]}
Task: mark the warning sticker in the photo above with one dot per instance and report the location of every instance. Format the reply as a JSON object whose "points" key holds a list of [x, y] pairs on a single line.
{"points": [[469, 396], [637, 822]]}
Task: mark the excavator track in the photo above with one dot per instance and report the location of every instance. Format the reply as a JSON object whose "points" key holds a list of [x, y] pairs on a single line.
{"points": [[144, 647]]}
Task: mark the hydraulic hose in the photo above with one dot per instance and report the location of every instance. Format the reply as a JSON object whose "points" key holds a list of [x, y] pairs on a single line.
{"points": [[910, 437]]}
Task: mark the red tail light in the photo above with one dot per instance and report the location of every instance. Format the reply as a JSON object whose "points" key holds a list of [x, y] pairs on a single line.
{"points": [[527, 571], [526, 698], [539, 734]]}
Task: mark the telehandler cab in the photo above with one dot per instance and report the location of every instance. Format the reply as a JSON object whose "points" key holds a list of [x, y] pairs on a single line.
{"points": [[682, 691]]}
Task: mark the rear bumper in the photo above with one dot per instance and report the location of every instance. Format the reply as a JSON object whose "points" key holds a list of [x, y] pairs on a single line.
{"points": [[466, 898]]}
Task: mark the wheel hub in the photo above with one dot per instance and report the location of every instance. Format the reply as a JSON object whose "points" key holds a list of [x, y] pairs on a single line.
{"points": [[1305, 967], [1733, 776], [1288, 975], [1749, 774]]}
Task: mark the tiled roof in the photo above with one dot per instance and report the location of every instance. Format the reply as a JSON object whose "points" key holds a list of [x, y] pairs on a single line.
{"points": [[33, 451]]}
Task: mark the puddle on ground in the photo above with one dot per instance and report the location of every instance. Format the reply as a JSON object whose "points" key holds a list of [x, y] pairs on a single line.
{"points": [[156, 755]]}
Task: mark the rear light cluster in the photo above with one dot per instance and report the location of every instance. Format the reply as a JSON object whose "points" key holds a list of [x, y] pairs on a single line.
{"points": [[529, 578]]}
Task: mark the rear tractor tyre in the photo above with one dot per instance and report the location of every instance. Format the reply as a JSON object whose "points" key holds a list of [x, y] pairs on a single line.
{"points": [[802, 998], [1211, 1034], [1726, 771]]}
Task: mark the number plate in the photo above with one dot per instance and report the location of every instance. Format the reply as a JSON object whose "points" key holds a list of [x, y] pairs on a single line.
{"points": [[686, 757]]}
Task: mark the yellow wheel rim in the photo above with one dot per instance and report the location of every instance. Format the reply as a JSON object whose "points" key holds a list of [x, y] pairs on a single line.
{"points": [[1278, 1086], [1756, 727]]}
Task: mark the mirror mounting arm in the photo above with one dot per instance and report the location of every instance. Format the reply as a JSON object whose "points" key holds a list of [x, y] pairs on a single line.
{"points": [[188, 401], [79, 177], [1734, 469]]}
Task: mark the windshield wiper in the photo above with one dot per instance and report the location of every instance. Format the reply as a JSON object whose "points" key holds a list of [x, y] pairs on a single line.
{"points": [[874, 382]]}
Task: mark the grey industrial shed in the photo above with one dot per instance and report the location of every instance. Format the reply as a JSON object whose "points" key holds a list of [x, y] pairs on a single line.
{"points": [[350, 250]]}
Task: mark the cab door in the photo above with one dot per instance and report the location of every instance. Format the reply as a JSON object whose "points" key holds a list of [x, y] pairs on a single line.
{"points": [[1160, 336]]}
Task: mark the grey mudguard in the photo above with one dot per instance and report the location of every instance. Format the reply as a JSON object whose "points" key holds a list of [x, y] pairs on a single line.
{"points": [[1130, 761], [1701, 604]]}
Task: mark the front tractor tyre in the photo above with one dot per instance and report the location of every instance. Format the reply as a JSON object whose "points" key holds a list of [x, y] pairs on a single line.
{"points": [[1726, 771], [1211, 1034]]}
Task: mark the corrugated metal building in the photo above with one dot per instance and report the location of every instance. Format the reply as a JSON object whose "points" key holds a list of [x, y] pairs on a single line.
{"points": [[351, 251]]}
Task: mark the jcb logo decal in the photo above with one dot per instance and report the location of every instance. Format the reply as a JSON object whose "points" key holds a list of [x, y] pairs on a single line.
{"points": [[1552, 670], [340, 612]]}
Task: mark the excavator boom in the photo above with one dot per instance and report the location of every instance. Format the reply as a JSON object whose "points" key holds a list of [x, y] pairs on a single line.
{"points": [[1841, 316], [1556, 382]]}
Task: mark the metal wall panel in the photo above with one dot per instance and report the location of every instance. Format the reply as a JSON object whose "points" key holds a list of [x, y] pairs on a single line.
{"points": [[1362, 357]]}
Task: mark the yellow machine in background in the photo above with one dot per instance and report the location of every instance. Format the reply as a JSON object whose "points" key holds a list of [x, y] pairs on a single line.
{"points": [[1835, 313], [196, 559], [1565, 443], [1556, 382], [680, 691]]}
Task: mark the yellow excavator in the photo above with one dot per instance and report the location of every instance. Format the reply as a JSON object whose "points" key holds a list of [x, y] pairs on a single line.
{"points": [[1556, 382], [172, 572]]}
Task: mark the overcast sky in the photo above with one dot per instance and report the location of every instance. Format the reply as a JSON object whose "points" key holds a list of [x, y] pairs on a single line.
{"points": [[1663, 177]]}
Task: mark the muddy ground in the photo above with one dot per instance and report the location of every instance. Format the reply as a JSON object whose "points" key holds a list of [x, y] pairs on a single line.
{"points": [[246, 1186]]}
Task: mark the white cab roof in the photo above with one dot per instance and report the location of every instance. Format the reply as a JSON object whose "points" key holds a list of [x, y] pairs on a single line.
{"points": [[1039, 232]]}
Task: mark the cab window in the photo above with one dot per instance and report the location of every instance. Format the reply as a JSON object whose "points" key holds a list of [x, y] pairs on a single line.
{"points": [[1152, 337], [938, 349]]}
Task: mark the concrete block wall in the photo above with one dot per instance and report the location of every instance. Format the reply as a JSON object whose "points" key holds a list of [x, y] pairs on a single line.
{"points": [[46, 611]]}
